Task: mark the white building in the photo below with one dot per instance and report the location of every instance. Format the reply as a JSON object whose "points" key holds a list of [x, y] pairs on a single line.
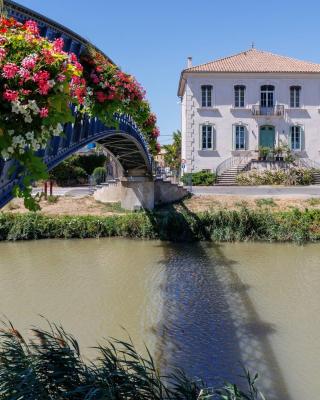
{"points": [[232, 106]]}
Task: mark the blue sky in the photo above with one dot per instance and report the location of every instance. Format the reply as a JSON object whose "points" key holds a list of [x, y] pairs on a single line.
{"points": [[152, 39]]}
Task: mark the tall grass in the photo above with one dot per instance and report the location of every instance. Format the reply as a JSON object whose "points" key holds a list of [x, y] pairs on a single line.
{"points": [[172, 225], [50, 367]]}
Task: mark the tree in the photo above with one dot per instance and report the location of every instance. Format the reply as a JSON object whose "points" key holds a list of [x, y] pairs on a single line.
{"points": [[172, 156]]}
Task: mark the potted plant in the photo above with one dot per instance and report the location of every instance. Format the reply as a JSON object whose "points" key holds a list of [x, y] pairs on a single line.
{"points": [[278, 152], [263, 153]]}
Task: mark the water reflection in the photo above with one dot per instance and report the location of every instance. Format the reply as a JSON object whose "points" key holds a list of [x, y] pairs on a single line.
{"points": [[209, 324]]}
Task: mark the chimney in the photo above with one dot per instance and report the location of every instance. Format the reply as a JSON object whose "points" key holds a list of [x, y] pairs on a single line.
{"points": [[189, 63]]}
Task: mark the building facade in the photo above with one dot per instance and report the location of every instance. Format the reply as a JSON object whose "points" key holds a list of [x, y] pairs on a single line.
{"points": [[233, 106]]}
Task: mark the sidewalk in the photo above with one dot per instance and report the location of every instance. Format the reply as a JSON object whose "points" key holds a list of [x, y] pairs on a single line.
{"points": [[259, 191]]}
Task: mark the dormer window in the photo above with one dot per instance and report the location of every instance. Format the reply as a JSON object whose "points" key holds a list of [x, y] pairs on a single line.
{"points": [[267, 96], [206, 96], [295, 96], [239, 91]]}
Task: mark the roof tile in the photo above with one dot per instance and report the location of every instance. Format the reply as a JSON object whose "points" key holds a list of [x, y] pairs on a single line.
{"points": [[254, 60]]}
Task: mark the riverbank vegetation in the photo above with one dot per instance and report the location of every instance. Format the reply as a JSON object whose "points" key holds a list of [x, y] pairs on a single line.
{"points": [[173, 224], [290, 176], [50, 366]]}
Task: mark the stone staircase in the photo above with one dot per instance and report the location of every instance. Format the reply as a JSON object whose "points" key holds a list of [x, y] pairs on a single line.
{"points": [[228, 176], [316, 175], [166, 192]]}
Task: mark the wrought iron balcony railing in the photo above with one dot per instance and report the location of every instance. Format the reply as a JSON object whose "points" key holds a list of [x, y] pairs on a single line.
{"points": [[277, 110]]}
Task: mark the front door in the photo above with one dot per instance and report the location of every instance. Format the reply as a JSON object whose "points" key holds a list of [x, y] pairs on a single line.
{"points": [[267, 136]]}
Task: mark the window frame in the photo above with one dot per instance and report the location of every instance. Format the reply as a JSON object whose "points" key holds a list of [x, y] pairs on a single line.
{"points": [[234, 137], [297, 88], [208, 88], [267, 91], [213, 137], [293, 131], [235, 88]]}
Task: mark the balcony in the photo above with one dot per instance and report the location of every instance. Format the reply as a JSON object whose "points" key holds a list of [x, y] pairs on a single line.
{"points": [[276, 111]]}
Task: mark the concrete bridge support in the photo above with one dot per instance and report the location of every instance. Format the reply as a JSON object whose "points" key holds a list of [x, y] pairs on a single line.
{"points": [[137, 192], [140, 192]]}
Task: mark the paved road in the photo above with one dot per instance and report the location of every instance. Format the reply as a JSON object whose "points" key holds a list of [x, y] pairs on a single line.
{"points": [[259, 191], [79, 191]]}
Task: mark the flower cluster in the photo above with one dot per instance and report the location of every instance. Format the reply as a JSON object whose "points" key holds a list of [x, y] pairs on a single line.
{"points": [[37, 80], [112, 91]]}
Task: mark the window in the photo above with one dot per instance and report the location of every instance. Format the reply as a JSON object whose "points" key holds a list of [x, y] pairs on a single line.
{"points": [[239, 137], [206, 96], [295, 96], [207, 138], [295, 138], [239, 91], [267, 96]]}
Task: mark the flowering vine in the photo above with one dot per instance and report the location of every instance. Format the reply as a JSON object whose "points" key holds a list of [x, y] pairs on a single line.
{"points": [[39, 81], [110, 91]]}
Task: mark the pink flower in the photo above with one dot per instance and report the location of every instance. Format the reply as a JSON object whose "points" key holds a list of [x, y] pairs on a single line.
{"points": [[3, 40], [43, 88], [32, 27], [101, 97], [61, 78], [48, 56], [155, 132], [41, 76], [10, 70], [10, 95], [44, 112], [24, 73], [29, 62], [26, 92], [3, 54], [58, 45]]}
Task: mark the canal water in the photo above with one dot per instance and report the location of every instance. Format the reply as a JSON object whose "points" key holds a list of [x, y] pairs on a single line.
{"points": [[207, 308]]}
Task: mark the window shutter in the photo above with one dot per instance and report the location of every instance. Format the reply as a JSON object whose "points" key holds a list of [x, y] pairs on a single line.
{"points": [[246, 138], [302, 138], [289, 138], [233, 137]]}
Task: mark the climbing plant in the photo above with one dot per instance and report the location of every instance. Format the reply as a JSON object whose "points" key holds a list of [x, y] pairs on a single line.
{"points": [[39, 82]]}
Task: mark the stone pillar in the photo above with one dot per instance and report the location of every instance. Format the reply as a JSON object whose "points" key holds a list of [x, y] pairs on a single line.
{"points": [[137, 192]]}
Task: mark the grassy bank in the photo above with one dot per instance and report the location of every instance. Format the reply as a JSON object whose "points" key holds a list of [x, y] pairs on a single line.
{"points": [[173, 224]]}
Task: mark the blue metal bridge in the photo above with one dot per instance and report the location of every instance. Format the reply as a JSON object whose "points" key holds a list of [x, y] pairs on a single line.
{"points": [[125, 143]]}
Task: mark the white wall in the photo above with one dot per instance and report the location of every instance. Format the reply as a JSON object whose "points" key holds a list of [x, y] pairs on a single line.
{"points": [[223, 115]]}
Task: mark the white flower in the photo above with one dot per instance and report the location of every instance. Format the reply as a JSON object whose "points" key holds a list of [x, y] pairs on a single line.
{"points": [[11, 132], [10, 149], [5, 155], [28, 118], [29, 135]]}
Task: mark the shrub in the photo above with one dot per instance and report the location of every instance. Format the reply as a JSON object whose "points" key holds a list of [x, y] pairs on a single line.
{"points": [[99, 175], [201, 178], [290, 176], [90, 162], [75, 169], [69, 173]]}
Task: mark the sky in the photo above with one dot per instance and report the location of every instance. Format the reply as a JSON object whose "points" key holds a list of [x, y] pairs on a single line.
{"points": [[152, 39]]}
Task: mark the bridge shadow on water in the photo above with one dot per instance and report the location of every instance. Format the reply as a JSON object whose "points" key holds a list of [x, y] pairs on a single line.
{"points": [[209, 325]]}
